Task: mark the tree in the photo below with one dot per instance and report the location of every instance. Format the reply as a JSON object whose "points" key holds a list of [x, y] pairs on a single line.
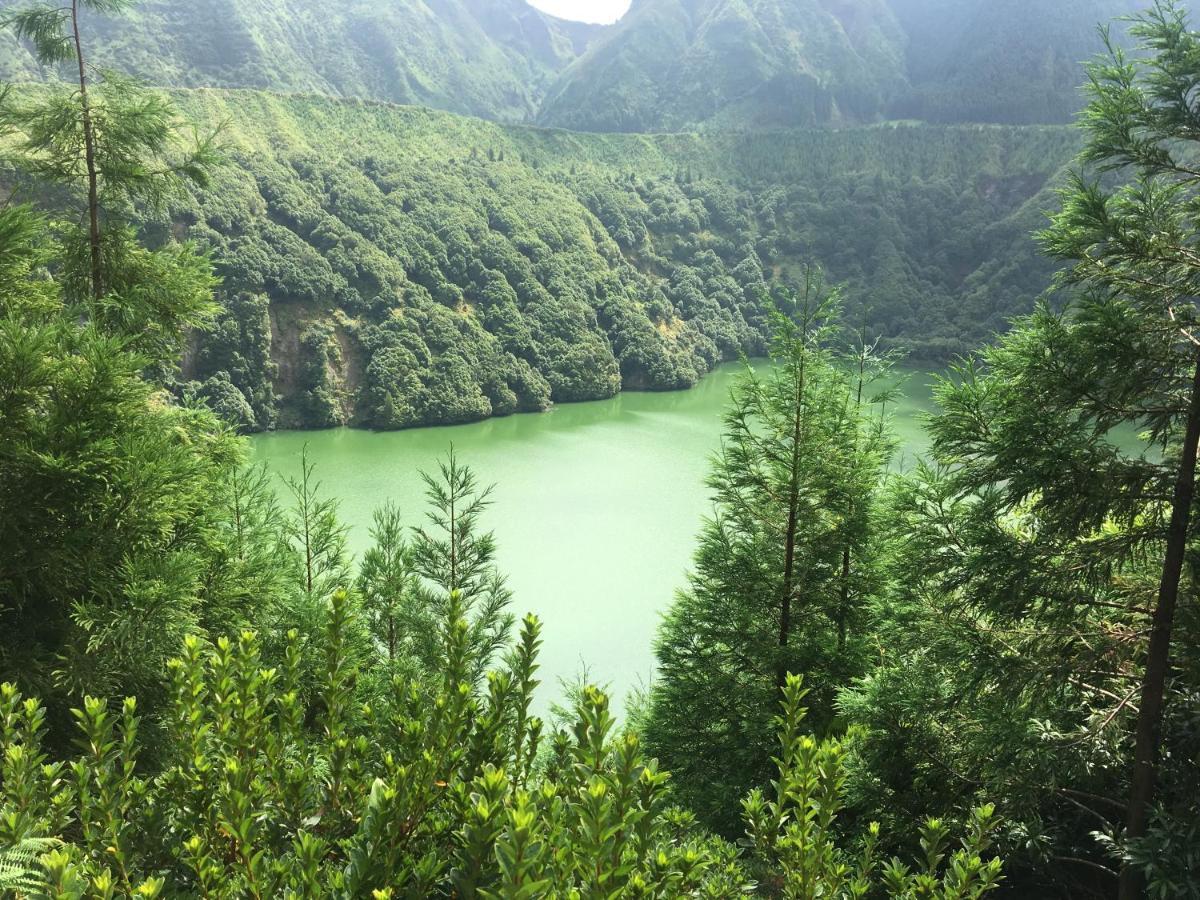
{"points": [[387, 585], [317, 534], [452, 556], [1007, 657], [1135, 248], [111, 544], [253, 571], [784, 568], [118, 141]]}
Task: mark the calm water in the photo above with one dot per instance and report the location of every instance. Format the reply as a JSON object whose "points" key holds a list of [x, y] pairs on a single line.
{"points": [[596, 508]]}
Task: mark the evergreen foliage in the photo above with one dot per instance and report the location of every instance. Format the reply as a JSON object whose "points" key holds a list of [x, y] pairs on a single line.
{"points": [[785, 567], [454, 557], [112, 498], [1004, 638], [1040, 630]]}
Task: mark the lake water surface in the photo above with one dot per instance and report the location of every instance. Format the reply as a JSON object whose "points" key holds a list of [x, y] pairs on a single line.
{"points": [[596, 507]]}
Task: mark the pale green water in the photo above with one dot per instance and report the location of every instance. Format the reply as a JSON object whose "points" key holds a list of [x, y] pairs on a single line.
{"points": [[596, 507]]}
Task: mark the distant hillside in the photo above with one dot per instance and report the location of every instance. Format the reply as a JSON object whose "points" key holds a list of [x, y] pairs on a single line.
{"points": [[672, 65], [491, 58], [390, 266], [669, 65], [683, 64], [1014, 61]]}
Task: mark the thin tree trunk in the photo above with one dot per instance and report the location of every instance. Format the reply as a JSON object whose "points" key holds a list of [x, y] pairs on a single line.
{"points": [[89, 154], [304, 512], [308, 555], [845, 600], [789, 551], [237, 517], [844, 608], [793, 522], [1149, 722], [453, 539], [789, 574]]}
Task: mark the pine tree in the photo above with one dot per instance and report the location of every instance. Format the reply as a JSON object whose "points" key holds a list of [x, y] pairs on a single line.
{"points": [[1136, 249], [388, 588], [110, 542], [317, 534], [112, 545], [453, 556], [122, 147], [782, 566]]}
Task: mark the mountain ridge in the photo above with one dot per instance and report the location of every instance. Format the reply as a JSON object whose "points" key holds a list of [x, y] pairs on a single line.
{"points": [[667, 65], [687, 64], [488, 58]]}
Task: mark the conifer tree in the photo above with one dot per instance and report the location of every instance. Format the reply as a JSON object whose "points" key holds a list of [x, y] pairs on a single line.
{"points": [[1136, 250], [453, 556], [121, 147], [1040, 636], [387, 586], [317, 534], [111, 545], [780, 565]]}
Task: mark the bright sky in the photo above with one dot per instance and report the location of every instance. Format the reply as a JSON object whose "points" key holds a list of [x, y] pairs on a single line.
{"points": [[584, 10]]}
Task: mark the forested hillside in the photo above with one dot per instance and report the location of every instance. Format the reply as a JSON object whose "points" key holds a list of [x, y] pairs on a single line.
{"points": [[671, 65], [1013, 61], [491, 58], [390, 266]]}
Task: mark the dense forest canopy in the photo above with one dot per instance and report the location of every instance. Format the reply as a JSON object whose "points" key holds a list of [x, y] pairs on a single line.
{"points": [[503, 268]]}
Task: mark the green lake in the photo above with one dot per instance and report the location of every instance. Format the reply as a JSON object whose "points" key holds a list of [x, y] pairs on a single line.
{"points": [[596, 507]]}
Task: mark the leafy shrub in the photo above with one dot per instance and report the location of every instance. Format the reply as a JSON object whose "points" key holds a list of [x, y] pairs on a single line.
{"points": [[421, 786]]}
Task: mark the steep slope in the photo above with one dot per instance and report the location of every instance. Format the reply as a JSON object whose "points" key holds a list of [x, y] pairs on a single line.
{"points": [[1013, 61], [683, 64], [491, 58], [674, 64], [668, 65], [390, 266]]}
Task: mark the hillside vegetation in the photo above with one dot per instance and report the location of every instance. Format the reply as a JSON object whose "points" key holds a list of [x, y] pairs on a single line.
{"points": [[674, 65], [389, 266], [669, 65], [491, 58], [972, 675]]}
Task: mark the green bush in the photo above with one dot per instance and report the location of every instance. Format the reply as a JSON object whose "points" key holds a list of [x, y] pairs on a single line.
{"points": [[412, 787]]}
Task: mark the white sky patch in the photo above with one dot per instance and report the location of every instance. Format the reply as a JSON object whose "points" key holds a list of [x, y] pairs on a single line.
{"points": [[604, 11]]}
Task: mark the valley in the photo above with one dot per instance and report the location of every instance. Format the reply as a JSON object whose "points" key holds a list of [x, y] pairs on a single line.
{"points": [[501, 268], [387, 508]]}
